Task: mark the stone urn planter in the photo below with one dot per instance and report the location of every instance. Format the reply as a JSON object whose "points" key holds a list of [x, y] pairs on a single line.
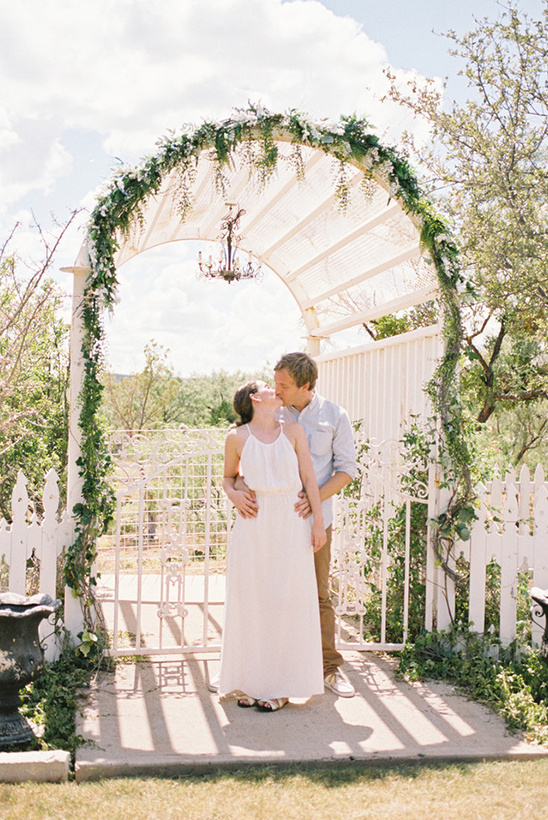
{"points": [[21, 658]]}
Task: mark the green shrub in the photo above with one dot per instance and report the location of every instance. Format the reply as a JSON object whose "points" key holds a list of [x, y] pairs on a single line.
{"points": [[513, 681], [51, 701]]}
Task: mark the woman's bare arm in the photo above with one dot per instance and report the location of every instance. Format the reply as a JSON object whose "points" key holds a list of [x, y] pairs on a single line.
{"points": [[239, 497], [308, 478]]}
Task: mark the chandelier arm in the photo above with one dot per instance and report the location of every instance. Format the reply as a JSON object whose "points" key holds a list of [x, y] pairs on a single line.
{"points": [[229, 267]]}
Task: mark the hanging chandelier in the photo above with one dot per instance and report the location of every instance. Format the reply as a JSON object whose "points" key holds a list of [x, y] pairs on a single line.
{"points": [[228, 266]]}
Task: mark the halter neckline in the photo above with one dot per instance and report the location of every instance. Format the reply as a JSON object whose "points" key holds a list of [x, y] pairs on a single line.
{"points": [[266, 443]]}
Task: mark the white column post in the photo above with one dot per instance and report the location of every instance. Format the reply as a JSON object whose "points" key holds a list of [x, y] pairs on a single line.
{"points": [[311, 323], [73, 610], [313, 346]]}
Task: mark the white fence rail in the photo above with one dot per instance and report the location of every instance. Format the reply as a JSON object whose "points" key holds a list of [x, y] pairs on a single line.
{"points": [[30, 547], [510, 534]]}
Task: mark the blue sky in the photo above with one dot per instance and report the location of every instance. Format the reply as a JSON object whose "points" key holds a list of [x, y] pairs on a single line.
{"points": [[87, 84], [412, 32]]}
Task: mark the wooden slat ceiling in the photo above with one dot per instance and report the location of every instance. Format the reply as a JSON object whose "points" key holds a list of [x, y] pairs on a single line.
{"points": [[342, 266]]}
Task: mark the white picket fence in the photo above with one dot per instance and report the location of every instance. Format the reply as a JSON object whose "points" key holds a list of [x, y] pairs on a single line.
{"points": [[511, 530], [39, 541]]}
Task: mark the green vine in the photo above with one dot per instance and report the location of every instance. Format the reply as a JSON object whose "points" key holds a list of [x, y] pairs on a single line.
{"points": [[254, 131]]}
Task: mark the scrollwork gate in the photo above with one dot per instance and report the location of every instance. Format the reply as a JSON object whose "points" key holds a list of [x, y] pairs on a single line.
{"points": [[162, 566], [380, 549]]}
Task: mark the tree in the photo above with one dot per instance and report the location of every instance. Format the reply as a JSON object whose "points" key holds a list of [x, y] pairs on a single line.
{"points": [[33, 369], [393, 324], [488, 171], [156, 398], [142, 400], [206, 400]]}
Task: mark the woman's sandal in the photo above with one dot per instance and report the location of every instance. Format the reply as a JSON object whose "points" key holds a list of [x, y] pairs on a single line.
{"points": [[246, 702], [271, 705]]}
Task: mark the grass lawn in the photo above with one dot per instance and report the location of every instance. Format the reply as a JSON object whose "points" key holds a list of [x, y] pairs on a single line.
{"points": [[484, 791]]}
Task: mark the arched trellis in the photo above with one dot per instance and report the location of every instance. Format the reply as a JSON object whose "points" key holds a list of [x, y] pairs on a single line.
{"points": [[253, 136]]}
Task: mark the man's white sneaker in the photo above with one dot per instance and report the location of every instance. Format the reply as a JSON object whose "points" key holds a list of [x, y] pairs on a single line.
{"points": [[213, 684], [338, 683]]}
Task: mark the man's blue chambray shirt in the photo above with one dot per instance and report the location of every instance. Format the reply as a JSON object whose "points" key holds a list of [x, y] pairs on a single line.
{"points": [[330, 439]]}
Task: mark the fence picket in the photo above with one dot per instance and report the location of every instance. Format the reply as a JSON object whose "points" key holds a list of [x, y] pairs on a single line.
{"points": [[478, 562], [525, 490], [5, 542], [540, 563], [496, 504], [518, 542], [508, 568], [42, 539], [18, 548], [50, 527]]}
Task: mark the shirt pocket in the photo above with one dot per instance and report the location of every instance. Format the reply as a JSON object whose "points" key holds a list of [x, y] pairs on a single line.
{"points": [[321, 442]]}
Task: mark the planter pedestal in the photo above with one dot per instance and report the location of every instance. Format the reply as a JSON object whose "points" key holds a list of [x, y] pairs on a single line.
{"points": [[21, 658]]}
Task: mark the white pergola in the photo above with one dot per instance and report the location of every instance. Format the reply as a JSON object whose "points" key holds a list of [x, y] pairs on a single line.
{"points": [[343, 265], [345, 262]]}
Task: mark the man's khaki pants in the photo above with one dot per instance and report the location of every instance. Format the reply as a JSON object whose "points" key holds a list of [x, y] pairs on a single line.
{"points": [[331, 658]]}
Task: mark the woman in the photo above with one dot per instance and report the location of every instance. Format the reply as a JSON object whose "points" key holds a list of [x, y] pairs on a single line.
{"points": [[271, 636]]}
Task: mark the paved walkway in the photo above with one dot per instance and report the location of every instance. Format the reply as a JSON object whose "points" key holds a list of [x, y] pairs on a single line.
{"points": [[157, 717]]}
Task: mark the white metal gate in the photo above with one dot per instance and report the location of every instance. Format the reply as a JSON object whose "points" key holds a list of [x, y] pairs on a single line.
{"points": [[380, 548], [162, 568]]}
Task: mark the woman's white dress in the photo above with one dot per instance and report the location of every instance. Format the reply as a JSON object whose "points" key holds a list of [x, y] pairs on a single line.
{"points": [[271, 636]]}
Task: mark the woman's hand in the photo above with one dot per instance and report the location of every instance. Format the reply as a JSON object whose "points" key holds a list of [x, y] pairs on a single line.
{"points": [[319, 537]]}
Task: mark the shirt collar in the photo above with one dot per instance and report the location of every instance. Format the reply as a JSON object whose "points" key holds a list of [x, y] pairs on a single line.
{"points": [[311, 404]]}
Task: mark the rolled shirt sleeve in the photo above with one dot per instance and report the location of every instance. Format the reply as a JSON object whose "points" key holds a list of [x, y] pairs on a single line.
{"points": [[344, 451]]}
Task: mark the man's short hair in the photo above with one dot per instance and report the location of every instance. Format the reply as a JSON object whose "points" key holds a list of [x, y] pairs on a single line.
{"points": [[302, 368]]}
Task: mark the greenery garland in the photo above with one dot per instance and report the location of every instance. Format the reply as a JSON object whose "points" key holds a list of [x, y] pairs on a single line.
{"points": [[122, 204]]}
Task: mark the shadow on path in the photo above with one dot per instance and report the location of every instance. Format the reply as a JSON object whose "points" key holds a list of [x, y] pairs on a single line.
{"points": [[156, 716]]}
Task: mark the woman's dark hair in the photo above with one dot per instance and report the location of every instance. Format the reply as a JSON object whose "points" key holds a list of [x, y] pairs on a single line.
{"points": [[242, 402]]}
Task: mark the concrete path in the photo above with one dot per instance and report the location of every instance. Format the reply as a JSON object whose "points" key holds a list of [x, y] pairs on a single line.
{"points": [[157, 717]]}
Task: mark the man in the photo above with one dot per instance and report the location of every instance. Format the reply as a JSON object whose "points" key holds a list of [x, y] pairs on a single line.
{"points": [[331, 442]]}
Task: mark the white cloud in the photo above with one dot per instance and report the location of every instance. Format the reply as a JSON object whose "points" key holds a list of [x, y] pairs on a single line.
{"points": [[128, 71], [206, 325], [131, 70]]}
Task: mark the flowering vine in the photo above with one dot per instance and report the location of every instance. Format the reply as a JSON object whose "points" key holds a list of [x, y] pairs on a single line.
{"points": [[253, 130]]}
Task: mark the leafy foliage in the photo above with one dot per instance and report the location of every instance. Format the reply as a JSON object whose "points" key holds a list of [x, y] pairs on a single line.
{"points": [[155, 398], [52, 699], [206, 400], [370, 523], [423, 315], [395, 578], [142, 400], [513, 682], [33, 372], [489, 167]]}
